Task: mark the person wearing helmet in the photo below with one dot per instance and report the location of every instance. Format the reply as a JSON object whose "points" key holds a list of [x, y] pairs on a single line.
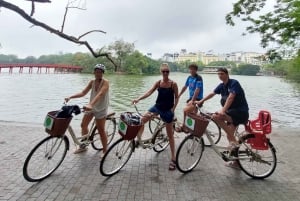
{"points": [[97, 106], [195, 84]]}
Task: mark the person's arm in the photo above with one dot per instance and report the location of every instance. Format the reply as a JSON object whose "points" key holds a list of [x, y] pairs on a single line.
{"points": [[228, 103], [176, 96], [209, 96], [82, 93], [99, 95], [196, 93], [182, 90], [184, 87], [147, 94]]}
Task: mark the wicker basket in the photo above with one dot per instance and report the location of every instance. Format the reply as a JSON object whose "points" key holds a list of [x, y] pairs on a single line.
{"points": [[128, 132], [54, 126], [196, 124]]}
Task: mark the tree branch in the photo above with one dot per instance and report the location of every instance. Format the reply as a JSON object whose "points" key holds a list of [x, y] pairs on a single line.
{"points": [[66, 12], [90, 32], [71, 38]]}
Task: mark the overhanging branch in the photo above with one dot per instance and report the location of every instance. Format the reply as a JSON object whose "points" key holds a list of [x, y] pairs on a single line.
{"points": [[71, 38]]}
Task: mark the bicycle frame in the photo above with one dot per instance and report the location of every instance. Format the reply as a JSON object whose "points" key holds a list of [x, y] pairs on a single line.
{"points": [[147, 143], [76, 139]]}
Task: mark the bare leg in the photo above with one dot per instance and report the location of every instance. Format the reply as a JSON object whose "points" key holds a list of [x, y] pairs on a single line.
{"points": [[100, 123], [170, 133], [229, 129], [146, 117], [85, 123], [187, 109]]}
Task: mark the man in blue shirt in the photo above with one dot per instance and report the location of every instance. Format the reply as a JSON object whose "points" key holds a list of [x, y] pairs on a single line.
{"points": [[234, 109], [195, 84]]}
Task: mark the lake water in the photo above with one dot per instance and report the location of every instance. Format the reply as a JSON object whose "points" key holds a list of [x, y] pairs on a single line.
{"points": [[28, 97]]}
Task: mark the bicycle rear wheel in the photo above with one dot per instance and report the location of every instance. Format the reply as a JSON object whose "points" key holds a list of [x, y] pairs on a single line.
{"points": [[160, 139], [110, 129], [116, 157], [45, 158], [189, 153], [256, 163], [214, 131]]}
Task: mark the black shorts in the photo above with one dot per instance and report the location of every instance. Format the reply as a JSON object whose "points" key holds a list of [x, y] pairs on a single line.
{"points": [[238, 116]]}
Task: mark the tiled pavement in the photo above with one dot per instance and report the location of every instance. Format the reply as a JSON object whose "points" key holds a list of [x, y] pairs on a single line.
{"points": [[145, 176]]}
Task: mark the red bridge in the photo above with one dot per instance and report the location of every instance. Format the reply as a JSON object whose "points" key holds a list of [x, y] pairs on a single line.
{"points": [[57, 68]]}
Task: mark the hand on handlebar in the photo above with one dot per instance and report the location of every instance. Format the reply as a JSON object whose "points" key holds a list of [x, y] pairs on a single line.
{"points": [[135, 101], [87, 108], [67, 99]]}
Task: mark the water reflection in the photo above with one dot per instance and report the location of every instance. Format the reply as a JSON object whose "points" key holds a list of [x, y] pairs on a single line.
{"points": [[28, 97]]}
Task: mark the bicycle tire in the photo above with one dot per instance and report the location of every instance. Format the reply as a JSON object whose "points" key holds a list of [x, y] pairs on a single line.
{"points": [[160, 139], [110, 129], [214, 131], [257, 160], [54, 147], [153, 124], [112, 161], [186, 159]]}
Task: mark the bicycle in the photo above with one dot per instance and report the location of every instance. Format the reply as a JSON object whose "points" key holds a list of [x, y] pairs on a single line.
{"points": [[212, 129], [255, 154], [120, 151], [50, 152]]}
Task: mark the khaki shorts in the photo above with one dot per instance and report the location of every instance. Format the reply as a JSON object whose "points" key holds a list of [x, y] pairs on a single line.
{"points": [[99, 114]]}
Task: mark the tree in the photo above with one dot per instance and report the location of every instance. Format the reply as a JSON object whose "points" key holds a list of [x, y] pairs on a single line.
{"points": [[222, 63], [281, 25], [60, 33], [121, 50], [246, 69]]}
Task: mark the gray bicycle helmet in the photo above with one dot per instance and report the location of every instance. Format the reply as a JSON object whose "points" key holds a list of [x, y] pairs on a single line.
{"points": [[100, 66]]}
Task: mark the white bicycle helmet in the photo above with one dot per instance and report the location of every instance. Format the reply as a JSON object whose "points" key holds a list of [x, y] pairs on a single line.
{"points": [[100, 66]]}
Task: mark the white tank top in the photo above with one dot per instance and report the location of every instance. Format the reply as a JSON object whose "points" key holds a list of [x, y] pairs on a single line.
{"points": [[103, 103]]}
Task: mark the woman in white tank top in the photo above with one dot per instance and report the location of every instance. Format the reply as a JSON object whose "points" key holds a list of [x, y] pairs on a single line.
{"points": [[98, 105]]}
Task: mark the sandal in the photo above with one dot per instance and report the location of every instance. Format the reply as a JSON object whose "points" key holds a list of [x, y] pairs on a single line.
{"points": [[172, 165], [233, 164]]}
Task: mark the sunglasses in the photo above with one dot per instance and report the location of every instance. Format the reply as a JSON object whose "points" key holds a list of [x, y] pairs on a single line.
{"points": [[165, 71]]}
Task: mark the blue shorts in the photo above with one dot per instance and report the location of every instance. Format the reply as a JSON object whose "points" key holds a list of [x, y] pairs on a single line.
{"points": [[167, 116]]}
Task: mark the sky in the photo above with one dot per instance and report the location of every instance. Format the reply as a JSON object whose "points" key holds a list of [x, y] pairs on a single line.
{"points": [[156, 26]]}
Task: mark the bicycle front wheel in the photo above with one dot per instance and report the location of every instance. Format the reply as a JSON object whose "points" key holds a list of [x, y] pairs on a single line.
{"points": [[214, 131], [160, 139], [45, 158], [116, 157], [189, 153], [153, 124], [110, 130], [256, 163]]}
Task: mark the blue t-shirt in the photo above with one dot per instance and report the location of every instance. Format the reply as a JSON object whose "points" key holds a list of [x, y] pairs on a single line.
{"points": [[232, 86], [194, 83]]}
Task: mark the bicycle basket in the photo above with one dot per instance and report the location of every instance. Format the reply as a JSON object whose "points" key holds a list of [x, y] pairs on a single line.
{"points": [[196, 124], [129, 125], [56, 126]]}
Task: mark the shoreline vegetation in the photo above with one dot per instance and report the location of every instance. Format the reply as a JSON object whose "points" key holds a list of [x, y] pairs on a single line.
{"points": [[136, 63]]}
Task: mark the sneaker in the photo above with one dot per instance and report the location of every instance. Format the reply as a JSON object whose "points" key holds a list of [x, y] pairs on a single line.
{"points": [[79, 150], [233, 164]]}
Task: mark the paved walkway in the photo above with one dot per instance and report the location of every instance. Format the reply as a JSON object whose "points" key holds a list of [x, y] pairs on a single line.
{"points": [[145, 176]]}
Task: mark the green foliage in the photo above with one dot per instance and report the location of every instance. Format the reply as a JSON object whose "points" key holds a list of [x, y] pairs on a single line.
{"points": [[281, 25], [246, 69], [120, 50], [294, 70], [222, 63]]}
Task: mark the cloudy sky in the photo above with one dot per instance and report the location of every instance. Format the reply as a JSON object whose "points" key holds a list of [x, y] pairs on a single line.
{"points": [[156, 26]]}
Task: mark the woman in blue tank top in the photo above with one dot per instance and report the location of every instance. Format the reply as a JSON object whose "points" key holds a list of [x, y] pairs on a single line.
{"points": [[166, 102]]}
